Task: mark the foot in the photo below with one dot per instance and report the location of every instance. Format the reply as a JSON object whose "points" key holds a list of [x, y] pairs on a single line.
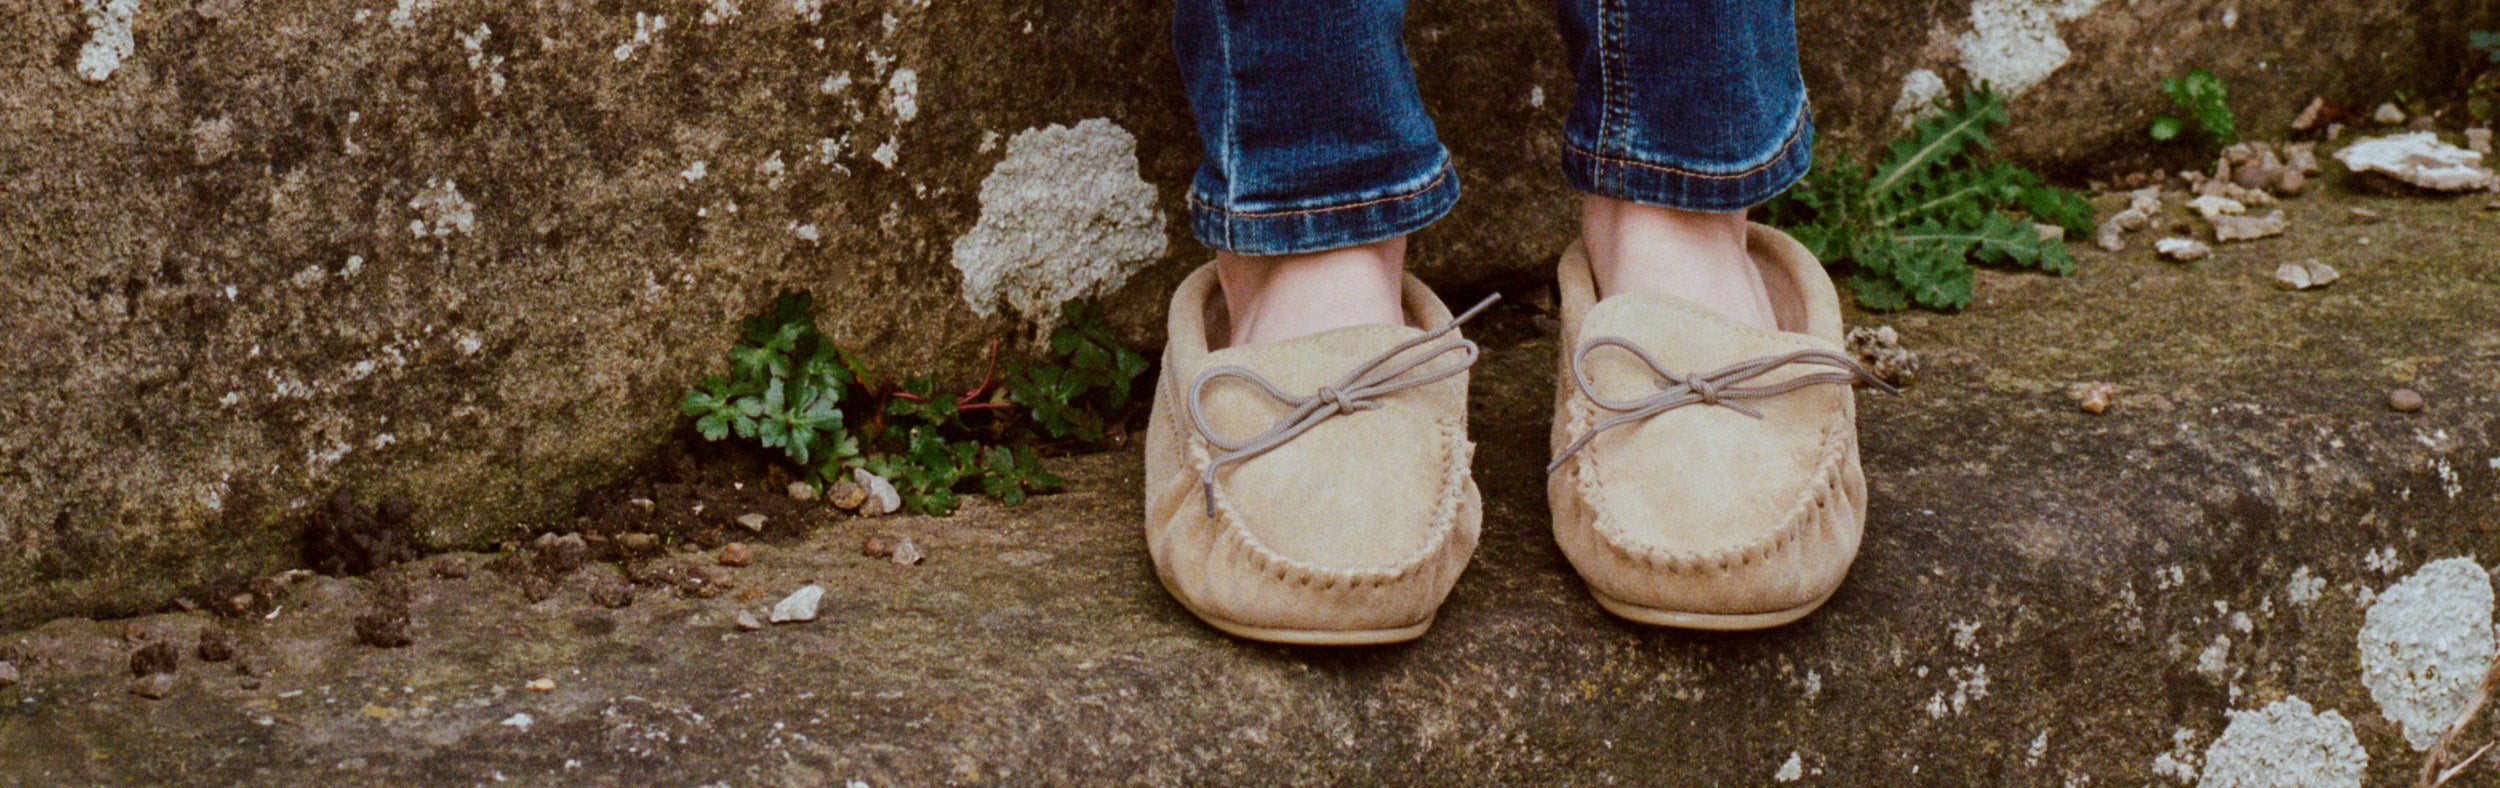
{"points": [[1274, 297], [1699, 257]]}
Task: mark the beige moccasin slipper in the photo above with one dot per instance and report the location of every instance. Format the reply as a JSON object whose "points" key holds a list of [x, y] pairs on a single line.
{"points": [[1705, 472], [1312, 490]]}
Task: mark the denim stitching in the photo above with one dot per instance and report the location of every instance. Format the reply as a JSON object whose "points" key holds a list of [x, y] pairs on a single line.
{"points": [[1232, 113], [1437, 178], [1609, 57], [1795, 133]]}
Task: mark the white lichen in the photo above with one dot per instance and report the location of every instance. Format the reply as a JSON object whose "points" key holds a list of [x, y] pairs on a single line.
{"points": [[1792, 770], [811, 10], [2285, 745], [721, 11], [2180, 762], [2013, 44], [111, 41], [2304, 587], [2039, 749], [902, 95], [2215, 661], [695, 172], [2382, 560], [1965, 635], [2426, 644], [645, 27], [405, 16], [887, 153], [441, 211], [1920, 89], [1064, 216]]}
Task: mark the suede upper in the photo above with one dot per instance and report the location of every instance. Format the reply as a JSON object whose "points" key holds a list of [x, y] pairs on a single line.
{"points": [[1361, 522], [1703, 511]]}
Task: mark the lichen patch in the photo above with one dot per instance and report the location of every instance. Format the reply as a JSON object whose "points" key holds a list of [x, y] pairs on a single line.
{"points": [[2426, 644], [1064, 216], [2013, 44], [2285, 745], [111, 42]]}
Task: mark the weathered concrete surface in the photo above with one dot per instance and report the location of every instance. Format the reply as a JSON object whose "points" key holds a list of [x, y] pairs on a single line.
{"points": [[2039, 600], [468, 251]]}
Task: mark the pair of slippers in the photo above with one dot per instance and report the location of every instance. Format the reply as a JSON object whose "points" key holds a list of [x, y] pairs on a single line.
{"points": [[1317, 490]]}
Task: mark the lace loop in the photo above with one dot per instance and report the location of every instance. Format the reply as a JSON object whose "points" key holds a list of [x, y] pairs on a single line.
{"points": [[1360, 390], [1721, 387]]}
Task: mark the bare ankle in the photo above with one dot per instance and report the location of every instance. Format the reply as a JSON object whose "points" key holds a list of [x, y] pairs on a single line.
{"points": [[1699, 257], [1275, 297]]}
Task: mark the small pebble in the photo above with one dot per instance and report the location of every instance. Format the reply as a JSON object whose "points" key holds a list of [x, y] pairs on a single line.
{"points": [[2478, 140], [637, 542], [153, 685], [2096, 398], [748, 622], [248, 682], [882, 498], [2304, 275], [736, 554], [800, 605], [2310, 115], [2405, 400], [2110, 238], [753, 521], [158, 657], [2388, 113], [906, 552], [215, 645], [541, 684], [2242, 228], [8, 673], [877, 546], [802, 491], [2364, 215], [847, 495], [2182, 249]]}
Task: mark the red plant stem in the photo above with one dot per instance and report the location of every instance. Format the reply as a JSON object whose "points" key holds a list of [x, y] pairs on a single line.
{"points": [[989, 378]]}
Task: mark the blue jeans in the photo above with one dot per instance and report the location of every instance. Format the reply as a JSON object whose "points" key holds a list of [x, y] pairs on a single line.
{"points": [[1316, 137]]}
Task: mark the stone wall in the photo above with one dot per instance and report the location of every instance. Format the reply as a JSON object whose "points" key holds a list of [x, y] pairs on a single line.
{"points": [[468, 251]]}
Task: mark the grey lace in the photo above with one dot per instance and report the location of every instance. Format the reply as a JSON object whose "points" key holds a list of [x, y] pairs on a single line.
{"points": [[1716, 387], [1359, 390]]}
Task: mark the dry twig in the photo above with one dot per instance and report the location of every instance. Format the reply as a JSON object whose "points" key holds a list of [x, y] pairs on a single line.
{"points": [[2432, 775]]}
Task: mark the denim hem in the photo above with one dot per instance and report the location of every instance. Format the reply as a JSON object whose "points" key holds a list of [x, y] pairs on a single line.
{"points": [[1322, 227], [1688, 189]]}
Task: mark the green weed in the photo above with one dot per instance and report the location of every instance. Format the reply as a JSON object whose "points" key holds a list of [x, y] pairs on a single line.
{"points": [[791, 389], [1907, 231], [2202, 97]]}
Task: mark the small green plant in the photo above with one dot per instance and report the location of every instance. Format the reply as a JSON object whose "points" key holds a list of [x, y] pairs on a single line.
{"points": [[1907, 231], [791, 389], [2202, 97], [2486, 40]]}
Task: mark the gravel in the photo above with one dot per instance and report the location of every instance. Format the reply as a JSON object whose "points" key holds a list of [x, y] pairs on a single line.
{"points": [[799, 606]]}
